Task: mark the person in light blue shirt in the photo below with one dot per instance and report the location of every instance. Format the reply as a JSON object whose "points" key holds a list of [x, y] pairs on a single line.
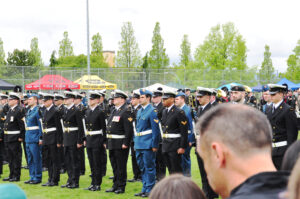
{"points": [[186, 158], [32, 139], [146, 140]]}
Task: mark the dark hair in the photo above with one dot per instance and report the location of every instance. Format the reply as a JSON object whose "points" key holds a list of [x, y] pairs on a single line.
{"points": [[240, 127], [291, 156], [176, 186]]}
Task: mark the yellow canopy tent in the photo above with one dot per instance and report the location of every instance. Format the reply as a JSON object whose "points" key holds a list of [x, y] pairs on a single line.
{"points": [[94, 82]]}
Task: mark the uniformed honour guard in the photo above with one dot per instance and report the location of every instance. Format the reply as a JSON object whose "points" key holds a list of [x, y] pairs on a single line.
{"points": [[119, 134], [238, 93], [283, 121], [95, 134], [174, 133], [73, 135], [51, 140], [14, 133], [146, 141], [32, 140]]}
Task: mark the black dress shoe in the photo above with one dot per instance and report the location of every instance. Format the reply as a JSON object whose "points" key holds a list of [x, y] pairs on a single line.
{"points": [[73, 186], [62, 171], [82, 173], [139, 194], [118, 191], [110, 190], [145, 195], [132, 180], [46, 184], [35, 182], [14, 180], [96, 188], [65, 185], [111, 177], [27, 182], [6, 179], [5, 162], [89, 188], [52, 184], [45, 169]]}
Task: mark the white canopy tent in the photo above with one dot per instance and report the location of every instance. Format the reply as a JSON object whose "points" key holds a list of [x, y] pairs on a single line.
{"points": [[154, 87]]}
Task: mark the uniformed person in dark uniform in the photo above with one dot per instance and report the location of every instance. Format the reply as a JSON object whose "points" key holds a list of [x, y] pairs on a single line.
{"points": [[158, 105], [283, 122], [119, 134], [175, 133], [3, 111], [95, 132], [41, 112], [58, 102], [189, 98], [73, 135], [203, 98], [51, 140], [78, 103], [238, 95], [135, 106], [213, 97], [14, 133]]}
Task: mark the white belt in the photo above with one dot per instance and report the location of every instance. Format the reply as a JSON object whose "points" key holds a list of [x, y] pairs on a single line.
{"points": [[12, 132], [115, 136], [49, 130], [171, 135], [69, 129], [94, 132], [189, 131], [32, 128], [279, 144], [144, 133]]}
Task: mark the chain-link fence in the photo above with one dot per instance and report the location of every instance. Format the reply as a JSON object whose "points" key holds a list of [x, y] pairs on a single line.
{"points": [[132, 78]]}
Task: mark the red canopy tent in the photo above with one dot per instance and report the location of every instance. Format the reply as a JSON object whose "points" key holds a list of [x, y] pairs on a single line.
{"points": [[52, 82]]}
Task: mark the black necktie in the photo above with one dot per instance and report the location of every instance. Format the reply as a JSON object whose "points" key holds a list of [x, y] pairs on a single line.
{"points": [[273, 110]]}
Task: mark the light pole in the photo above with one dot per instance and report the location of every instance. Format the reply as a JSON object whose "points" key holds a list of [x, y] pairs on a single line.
{"points": [[88, 37]]}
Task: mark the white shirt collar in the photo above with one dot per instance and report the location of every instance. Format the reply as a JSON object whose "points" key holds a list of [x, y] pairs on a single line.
{"points": [[170, 107], [93, 108], [68, 107], [144, 107], [117, 107], [182, 106], [203, 107], [135, 107], [12, 108], [49, 107], [31, 108], [277, 104]]}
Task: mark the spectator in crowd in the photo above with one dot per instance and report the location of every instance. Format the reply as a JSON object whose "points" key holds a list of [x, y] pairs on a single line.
{"points": [[291, 156], [235, 145], [294, 182], [176, 187]]}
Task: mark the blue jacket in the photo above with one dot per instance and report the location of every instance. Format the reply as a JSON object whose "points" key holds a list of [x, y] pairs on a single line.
{"points": [[147, 120], [32, 120], [187, 111]]}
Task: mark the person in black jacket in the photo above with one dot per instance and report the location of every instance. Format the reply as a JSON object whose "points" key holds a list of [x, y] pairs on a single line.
{"points": [[95, 133], [119, 134], [51, 140], [3, 111], [235, 144], [14, 133], [175, 133], [73, 135], [283, 120]]}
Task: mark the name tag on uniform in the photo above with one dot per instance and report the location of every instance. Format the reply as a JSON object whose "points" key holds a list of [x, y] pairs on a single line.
{"points": [[11, 118], [116, 119]]}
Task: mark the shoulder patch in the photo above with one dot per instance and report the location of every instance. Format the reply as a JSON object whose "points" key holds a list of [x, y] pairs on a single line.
{"points": [[183, 122], [155, 120], [130, 119]]}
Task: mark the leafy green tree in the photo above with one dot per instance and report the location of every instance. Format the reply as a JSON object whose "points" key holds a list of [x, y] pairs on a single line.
{"points": [[65, 46], [128, 54], [266, 72], [53, 59], [97, 47], [20, 58], [35, 52], [2, 53], [158, 57], [80, 61], [145, 61], [185, 52], [223, 48], [293, 62]]}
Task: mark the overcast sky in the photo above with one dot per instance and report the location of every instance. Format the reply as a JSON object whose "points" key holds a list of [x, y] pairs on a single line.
{"points": [[272, 22]]}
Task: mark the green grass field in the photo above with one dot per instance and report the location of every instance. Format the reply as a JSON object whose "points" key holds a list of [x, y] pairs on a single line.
{"points": [[39, 192]]}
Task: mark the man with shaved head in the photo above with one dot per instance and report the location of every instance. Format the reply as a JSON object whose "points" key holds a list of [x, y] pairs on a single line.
{"points": [[235, 144]]}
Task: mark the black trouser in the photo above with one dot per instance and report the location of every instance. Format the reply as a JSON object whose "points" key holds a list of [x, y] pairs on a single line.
{"points": [[52, 162], [173, 161], [1, 156], [81, 158], [95, 160], [61, 154], [14, 155], [160, 164], [104, 161], [72, 163], [44, 160], [118, 159], [210, 194], [135, 168]]}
